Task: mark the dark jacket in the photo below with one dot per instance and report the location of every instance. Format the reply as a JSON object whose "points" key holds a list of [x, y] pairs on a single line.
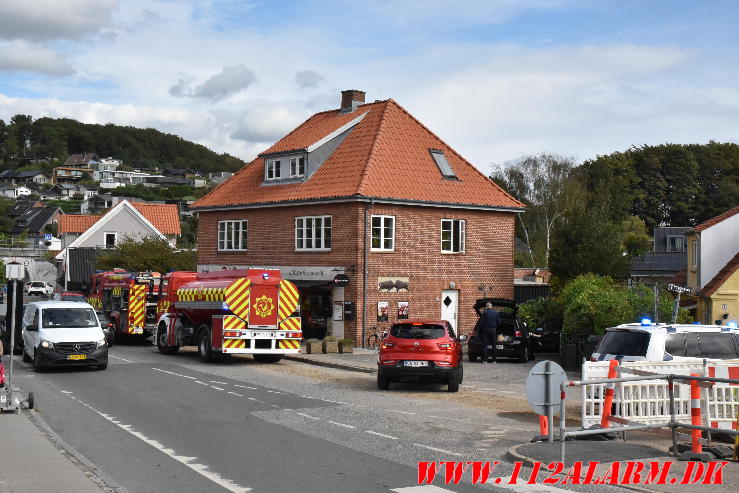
{"points": [[489, 320]]}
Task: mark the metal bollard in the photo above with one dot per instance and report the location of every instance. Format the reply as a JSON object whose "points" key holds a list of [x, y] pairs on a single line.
{"points": [[608, 398], [695, 415], [543, 426]]}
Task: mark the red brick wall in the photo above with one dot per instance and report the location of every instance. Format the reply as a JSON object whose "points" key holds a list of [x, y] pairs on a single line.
{"points": [[488, 257]]}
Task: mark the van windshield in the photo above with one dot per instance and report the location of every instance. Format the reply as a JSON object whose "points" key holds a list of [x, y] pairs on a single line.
{"points": [[53, 318], [624, 342]]}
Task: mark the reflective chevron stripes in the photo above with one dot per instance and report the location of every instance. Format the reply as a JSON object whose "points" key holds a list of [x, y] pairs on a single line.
{"points": [[288, 300], [136, 307], [289, 344], [201, 294], [95, 302], [163, 306], [233, 323], [237, 297], [234, 343], [117, 290], [292, 324]]}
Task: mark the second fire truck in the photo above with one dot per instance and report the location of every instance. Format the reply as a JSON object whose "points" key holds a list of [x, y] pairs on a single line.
{"points": [[248, 311]]}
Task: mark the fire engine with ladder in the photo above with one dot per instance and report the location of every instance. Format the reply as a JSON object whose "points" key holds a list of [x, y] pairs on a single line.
{"points": [[128, 300], [245, 311]]}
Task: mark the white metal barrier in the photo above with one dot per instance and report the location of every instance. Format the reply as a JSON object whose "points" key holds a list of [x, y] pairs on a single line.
{"points": [[648, 401]]}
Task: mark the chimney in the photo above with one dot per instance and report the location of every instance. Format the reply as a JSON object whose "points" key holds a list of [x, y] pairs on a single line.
{"points": [[350, 99]]}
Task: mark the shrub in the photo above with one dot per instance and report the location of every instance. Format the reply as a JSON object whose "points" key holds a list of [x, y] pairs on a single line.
{"points": [[541, 312], [330, 339], [311, 341], [346, 342]]}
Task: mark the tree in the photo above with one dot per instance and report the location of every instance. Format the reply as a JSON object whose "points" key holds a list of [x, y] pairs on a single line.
{"points": [[150, 253], [542, 182], [635, 239]]}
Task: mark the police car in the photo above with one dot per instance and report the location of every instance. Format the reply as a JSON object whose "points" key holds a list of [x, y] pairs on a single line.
{"points": [[647, 341]]}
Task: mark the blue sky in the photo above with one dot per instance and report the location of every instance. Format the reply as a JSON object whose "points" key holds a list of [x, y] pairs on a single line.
{"points": [[497, 79]]}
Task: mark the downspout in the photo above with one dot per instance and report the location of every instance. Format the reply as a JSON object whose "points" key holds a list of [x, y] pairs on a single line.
{"points": [[365, 272]]}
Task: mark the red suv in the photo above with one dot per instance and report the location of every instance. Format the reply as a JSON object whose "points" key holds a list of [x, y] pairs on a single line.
{"points": [[423, 349]]}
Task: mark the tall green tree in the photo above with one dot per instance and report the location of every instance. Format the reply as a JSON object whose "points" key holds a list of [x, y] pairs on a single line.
{"points": [[151, 253]]}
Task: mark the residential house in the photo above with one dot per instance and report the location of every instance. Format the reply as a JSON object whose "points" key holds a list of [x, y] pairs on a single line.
{"points": [[219, 177], [368, 192], [529, 284], [669, 256], [102, 202], [166, 181], [24, 177], [22, 205], [84, 160], [8, 192], [182, 173], [713, 259], [115, 179], [36, 222], [71, 174], [104, 167]]}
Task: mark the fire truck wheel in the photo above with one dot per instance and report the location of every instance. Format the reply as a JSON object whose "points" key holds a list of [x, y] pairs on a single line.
{"points": [[267, 358], [205, 351], [162, 342]]}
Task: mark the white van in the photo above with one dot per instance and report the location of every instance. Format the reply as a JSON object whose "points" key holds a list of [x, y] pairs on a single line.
{"points": [[63, 333], [668, 342]]}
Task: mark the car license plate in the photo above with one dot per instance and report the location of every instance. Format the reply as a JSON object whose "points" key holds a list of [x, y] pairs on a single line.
{"points": [[2, 398], [416, 363], [490, 346], [138, 330], [499, 346], [263, 334], [77, 356]]}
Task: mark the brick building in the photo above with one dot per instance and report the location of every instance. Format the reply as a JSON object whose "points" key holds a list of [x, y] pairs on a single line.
{"points": [[366, 192]]}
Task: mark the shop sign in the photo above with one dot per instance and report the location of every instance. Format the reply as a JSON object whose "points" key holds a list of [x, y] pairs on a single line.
{"points": [[341, 280], [291, 273]]}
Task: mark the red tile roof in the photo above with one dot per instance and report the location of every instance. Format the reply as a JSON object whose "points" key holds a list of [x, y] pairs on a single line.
{"points": [[76, 223], [721, 277], [717, 219], [164, 217], [386, 155]]}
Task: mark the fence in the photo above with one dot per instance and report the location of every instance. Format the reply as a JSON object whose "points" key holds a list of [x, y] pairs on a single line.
{"points": [[648, 401]]}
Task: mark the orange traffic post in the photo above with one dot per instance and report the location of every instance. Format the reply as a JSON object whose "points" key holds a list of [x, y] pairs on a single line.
{"points": [[695, 415], [543, 426], [608, 398]]}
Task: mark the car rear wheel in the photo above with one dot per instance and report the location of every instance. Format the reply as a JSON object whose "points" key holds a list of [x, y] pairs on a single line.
{"points": [[383, 383], [461, 373], [453, 383]]}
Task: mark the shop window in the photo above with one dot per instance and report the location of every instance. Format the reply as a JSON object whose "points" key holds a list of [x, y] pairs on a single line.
{"points": [[452, 235], [232, 235], [383, 233], [313, 233]]}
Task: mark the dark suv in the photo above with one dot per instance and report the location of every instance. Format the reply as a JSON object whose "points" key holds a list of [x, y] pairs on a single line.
{"points": [[513, 338]]}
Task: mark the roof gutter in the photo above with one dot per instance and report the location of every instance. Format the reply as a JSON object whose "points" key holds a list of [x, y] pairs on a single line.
{"points": [[365, 199]]}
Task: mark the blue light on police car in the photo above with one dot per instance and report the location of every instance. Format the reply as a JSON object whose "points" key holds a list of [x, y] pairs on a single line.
{"points": [[646, 321], [733, 325], [265, 275]]}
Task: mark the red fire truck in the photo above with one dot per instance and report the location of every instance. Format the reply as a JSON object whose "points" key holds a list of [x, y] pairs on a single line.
{"points": [[247, 311], [128, 300]]}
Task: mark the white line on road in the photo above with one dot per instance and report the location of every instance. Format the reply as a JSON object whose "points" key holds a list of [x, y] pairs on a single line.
{"points": [[426, 488], [187, 461], [438, 450], [307, 416], [402, 412], [214, 387], [523, 487], [173, 373], [236, 394], [450, 419], [66, 392], [219, 383], [380, 434], [122, 359], [201, 383], [245, 387], [273, 392], [341, 424]]}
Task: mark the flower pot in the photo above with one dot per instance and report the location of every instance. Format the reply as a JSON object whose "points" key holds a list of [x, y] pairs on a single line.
{"points": [[346, 348], [313, 347], [330, 347]]}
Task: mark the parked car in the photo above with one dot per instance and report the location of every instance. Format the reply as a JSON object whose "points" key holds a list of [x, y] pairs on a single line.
{"points": [[667, 342], [63, 333], [69, 296], [107, 326], [40, 288], [513, 338], [421, 349]]}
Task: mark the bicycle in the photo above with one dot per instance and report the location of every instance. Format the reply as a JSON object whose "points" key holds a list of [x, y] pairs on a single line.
{"points": [[376, 336]]}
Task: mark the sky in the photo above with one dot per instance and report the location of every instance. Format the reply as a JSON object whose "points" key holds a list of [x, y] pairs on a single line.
{"points": [[495, 79]]}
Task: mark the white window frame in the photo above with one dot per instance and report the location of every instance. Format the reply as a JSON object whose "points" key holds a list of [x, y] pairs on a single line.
{"points": [[305, 225], [382, 230], [226, 239], [695, 254], [272, 172], [115, 238], [296, 165], [460, 229]]}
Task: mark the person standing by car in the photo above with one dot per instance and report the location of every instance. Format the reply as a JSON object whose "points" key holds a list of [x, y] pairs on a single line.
{"points": [[488, 331]]}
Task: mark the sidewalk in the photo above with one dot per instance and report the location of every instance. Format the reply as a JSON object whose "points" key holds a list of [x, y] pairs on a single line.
{"points": [[29, 462], [361, 360], [641, 447]]}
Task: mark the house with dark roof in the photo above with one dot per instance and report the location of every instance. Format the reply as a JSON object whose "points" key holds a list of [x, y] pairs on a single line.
{"points": [[713, 259], [372, 215], [24, 177], [36, 221], [84, 160], [669, 256]]}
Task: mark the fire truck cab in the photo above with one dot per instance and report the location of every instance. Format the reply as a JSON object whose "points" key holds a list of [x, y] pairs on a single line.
{"points": [[247, 311]]}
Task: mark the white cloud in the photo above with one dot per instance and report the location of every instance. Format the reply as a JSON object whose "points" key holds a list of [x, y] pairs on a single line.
{"points": [[19, 56], [308, 79], [231, 80], [53, 19], [266, 123]]}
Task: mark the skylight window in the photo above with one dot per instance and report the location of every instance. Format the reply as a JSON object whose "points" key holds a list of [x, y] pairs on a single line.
{"points": [[442, 163]]}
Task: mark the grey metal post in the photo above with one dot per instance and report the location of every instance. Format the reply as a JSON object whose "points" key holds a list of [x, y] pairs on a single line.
{"points": [[562, 427], [671, 392], [656, 303], [548, 400], [677, 306], [14, 286]]}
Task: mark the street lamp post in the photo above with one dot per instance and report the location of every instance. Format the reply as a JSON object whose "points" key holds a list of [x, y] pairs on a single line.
{"points": [[14, 272]]}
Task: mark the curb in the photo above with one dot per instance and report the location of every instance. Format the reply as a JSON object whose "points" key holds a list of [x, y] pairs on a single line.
{"points": [[329, 364]]}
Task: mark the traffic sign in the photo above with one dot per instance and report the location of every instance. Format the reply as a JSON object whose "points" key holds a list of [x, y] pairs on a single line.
{"points": [[48, 236], [543, 387]]}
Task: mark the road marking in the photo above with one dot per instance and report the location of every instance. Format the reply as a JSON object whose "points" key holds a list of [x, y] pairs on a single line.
{"points": [[236, 394], [273, 392], [341, 424], [402, 412], [122, 359], [201, 383], [189, 462], [175, 374], [450, 419], [220, 383], [66, 392], [307, 416], [525, 488], [380, 434], [245, 387], [214, 387], [438, 450], [426, 488], [274, 405]]}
